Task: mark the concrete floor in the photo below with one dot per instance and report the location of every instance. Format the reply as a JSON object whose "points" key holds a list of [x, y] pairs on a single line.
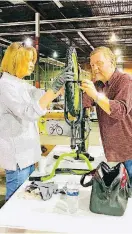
{"points": [[94, 139]]}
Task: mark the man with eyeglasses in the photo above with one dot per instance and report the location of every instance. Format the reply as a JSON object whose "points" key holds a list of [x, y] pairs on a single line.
{"points": [[111, 90]]}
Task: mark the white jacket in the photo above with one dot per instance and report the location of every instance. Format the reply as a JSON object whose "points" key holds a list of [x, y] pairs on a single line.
{"points": [[19, 112]]}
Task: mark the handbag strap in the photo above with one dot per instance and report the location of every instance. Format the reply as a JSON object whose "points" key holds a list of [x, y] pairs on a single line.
{"points": [[91, 173]]}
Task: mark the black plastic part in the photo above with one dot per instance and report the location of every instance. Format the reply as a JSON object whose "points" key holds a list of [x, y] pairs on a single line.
{"points": [[69, 170]]}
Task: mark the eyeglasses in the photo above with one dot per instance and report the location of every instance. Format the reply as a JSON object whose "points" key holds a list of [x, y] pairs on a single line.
{"points": [[98, 64], [21, 45]]}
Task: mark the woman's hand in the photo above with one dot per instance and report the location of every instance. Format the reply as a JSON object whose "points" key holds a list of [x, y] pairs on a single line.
{"points": [[60, 92], [61, 79]]}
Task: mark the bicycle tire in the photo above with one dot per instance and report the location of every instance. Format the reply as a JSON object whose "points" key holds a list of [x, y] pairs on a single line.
{"points": [[86, 136], [57, 130], [72, 89], [51, 130], [86, 133]]}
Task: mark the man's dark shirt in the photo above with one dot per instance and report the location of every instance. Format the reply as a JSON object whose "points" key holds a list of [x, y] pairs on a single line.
{"points": [[116, 128]]}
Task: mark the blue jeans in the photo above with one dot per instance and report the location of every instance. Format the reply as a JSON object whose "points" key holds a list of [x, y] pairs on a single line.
{"points": [[128, 166], [14, 179]]}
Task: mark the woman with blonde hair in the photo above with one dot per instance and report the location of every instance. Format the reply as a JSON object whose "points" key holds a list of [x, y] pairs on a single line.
{"points": [[21, 105]]}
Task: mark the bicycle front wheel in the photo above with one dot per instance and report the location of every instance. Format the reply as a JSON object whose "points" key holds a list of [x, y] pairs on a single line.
{"points": [[72, 89], [59, 131]]}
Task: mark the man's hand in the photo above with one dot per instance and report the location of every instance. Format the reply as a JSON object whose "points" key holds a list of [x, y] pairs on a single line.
{"points": [[88, 87]]}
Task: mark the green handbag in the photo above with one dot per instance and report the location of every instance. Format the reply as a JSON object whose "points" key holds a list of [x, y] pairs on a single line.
{"points": [[110, 189]]}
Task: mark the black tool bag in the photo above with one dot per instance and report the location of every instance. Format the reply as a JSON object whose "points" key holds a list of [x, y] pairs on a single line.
{"points": [[110, 189]]}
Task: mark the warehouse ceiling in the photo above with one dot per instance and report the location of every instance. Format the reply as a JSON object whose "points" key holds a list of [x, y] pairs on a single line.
{"points": [[83, 24]]}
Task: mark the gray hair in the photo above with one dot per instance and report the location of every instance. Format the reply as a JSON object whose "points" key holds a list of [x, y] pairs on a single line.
{"points": [[107, 52]]}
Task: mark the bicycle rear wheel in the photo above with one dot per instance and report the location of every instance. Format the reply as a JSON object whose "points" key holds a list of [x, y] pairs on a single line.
{"points": [[51, 130]]}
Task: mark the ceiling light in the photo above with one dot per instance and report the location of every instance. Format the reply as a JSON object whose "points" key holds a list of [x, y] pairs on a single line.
{"points": [[113, 38], [58, 3], [16, 1], [28, 42], [117, 52], [120, 69], [55, 55], [119, 60]]}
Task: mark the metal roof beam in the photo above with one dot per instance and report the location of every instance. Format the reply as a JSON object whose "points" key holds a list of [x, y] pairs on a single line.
{"points": [[3, 45], [70, 38], [68, 20], [31, 6], [95, 29], [85, 39], [5, 40]]}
